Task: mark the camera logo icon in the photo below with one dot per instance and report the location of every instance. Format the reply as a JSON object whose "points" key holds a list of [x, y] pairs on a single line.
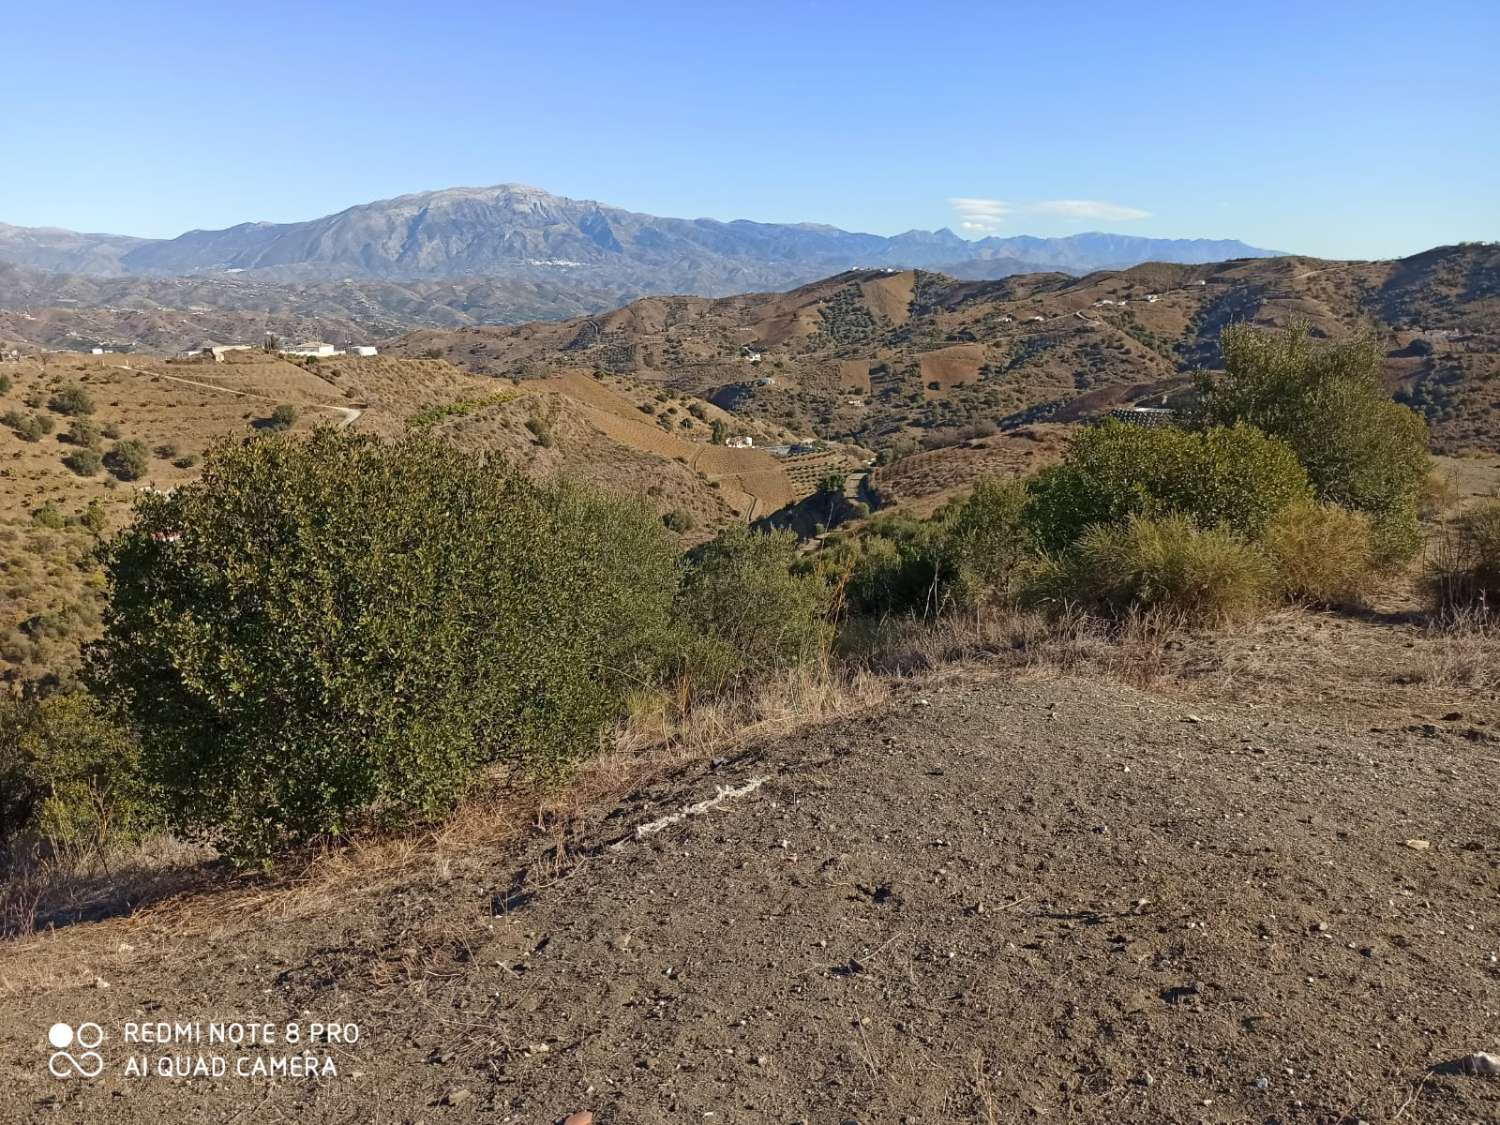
{"points": [[87, 1063]]}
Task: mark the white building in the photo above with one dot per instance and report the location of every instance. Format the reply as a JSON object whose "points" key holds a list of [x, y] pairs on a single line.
{"points": [[311, 348], [740, 442], [361, 349]]}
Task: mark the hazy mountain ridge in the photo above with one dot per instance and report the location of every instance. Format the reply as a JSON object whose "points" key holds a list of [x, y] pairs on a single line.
{"points": [[512, 230], [166, 314]]}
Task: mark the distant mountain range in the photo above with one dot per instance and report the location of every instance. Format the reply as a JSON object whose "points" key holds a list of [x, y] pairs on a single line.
{"points": [[525, 234]]}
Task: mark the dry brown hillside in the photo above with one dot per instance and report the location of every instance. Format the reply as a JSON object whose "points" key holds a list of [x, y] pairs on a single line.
{"points": [[624, 435], [872, 355]]}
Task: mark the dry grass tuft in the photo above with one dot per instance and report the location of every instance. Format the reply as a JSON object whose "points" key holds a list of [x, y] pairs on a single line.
{"points": [[1460, 650], [1464, 568], [1138, 648], [1324, 554]]}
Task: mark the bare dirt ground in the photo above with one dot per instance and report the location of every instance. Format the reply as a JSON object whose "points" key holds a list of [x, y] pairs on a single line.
{"points": [[1263, 890]]}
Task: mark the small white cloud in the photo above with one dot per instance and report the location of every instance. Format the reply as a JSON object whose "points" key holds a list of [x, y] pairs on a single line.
{"points": [[980, 215], [1088, 209]]}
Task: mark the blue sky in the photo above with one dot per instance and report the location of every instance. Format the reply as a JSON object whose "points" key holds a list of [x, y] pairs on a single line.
{"points": [[1339, 129]]}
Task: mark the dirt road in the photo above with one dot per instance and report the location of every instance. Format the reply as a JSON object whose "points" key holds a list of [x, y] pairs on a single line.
{"points": [[992, 900]]}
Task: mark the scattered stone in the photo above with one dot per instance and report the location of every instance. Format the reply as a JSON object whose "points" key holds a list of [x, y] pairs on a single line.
{"points": [[457, 1096], [1480, 1063], [582, 1117], [1419, 845], [1262, 1083]]}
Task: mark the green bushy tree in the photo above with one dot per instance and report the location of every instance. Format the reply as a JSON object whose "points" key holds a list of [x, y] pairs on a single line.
{"points": [[746, 606], [69, 777], [85, 462], [1329, 402], [970, 550], [284, 417], [1231, 477], [324, 631]]}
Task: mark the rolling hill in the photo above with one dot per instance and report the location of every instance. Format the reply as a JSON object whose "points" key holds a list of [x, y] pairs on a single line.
{"points": [[621, 434], [878, 356]]}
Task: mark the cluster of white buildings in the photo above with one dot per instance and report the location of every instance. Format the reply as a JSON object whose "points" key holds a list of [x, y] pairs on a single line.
{"points": [[315, 349]]}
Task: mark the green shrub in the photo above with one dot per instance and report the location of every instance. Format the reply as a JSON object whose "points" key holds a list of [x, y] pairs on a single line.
{"points": [[166, 451], [83, 433], [284, 417], [49, 517], [84, 462], [1329, 402], [71, 399], [1323, 554], [69, 778], [322, 632], [33, 427], [1464, 571], [902, 566], [5, 384], [989, 536], [972, 549], [1235, 478], [186, 461], [745, 606], [1201, 575], [94, 518], [128, 460], [679, 520]]}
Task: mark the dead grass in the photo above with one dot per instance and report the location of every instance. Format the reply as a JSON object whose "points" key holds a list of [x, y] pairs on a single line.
{"points": [[1461, 650], [1140, 648]]}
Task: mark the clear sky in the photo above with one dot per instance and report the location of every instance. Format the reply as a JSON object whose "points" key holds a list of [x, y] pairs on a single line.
{"points": [[1339, 129]]}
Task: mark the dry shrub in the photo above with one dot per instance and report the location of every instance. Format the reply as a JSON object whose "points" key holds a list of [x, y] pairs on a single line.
{"points": [[1439, 494], [1460, 650], [1167, 565], [1324, 554], [1137, 647], [41, 891], [1464, 568], [688, 726]]}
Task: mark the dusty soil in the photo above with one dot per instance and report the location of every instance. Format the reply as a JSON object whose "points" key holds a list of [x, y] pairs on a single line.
{"points": [[995, 898]]}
